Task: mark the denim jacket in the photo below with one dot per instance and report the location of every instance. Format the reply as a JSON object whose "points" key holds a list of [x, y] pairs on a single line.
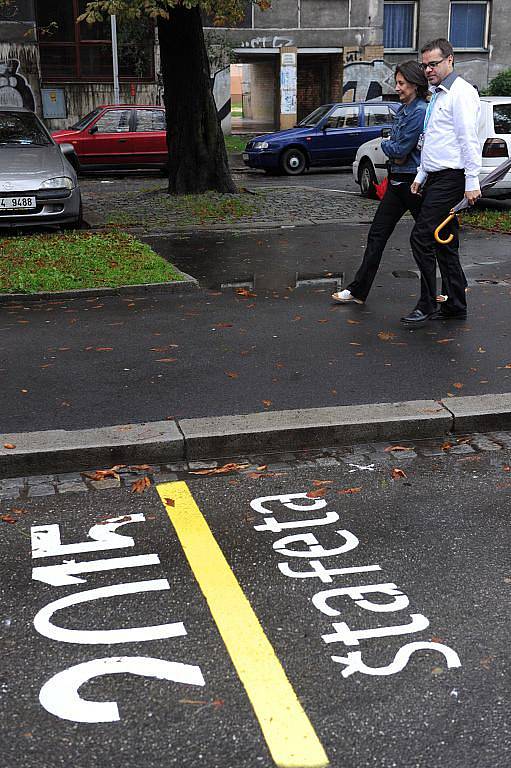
{"points": [[407, 127]]}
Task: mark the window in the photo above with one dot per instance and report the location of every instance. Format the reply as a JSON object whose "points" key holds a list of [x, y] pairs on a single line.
{"points": [[468, 24], [377, 115], [71, 51], [399, 25], [114, 121], [343, 117], [151, 120], [502, 118]]}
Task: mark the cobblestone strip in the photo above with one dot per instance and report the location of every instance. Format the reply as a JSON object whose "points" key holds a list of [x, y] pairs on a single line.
{"points": [[371, 457]]}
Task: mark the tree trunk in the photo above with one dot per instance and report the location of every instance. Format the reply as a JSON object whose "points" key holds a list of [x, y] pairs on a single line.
{"points": [[197, 155]]}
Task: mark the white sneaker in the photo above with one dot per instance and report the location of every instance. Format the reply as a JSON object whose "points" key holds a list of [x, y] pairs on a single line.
{"points": [[343, 297]]}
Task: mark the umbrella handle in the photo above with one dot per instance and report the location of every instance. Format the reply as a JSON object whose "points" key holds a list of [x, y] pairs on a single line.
{"points": [[444, 223]]}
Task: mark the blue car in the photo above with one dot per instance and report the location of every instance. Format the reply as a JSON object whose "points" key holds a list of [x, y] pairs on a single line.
{"points": [[328, 136]]}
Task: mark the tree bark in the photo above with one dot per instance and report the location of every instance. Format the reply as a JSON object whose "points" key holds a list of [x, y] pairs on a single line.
{"points": [[197, 155]]}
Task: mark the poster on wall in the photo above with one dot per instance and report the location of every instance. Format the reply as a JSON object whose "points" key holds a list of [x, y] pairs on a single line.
{"points": [[288, 86]]}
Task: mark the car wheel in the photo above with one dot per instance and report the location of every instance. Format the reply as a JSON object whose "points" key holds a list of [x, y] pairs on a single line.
{"points": [[367, 180], [293, 161], [76, 224]]}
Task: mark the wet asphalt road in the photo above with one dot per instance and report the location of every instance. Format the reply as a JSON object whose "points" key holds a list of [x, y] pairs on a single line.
{"points": [[115, 360], [440, 535]]}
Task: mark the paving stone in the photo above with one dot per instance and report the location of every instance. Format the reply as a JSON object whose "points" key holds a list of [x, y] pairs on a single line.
{"points": [[180, 466], [104, 484], [71, 486], [41, 489], [327, 461], [355, 458], [502, 437], [403, 454], [164, 477], [13, 482], [463, 448], [429, 451], [483, 443], [193, 465], [9, 493], [69, 477], [40, 480]]}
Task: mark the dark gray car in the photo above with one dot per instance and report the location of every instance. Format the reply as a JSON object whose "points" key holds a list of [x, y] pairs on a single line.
{"points": [[38, 185]]}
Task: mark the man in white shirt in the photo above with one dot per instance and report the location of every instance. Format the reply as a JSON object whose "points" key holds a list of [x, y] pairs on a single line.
{"points": [[449, 170]]}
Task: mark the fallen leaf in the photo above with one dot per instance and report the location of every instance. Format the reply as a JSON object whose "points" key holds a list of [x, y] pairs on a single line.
{"points": [[262, 467], [7, 519], [506, 468], [101, 474], [137, 467], [508, 365], [446, 446], [386, 335], [297, 317], [223, 325], [104, 349], [9, 446], [396, 472], [166, 360], [266, 403], [486, 662], [322, 321], [231, 374], [344, 491], [480, 349], [317, 494], [170, 502], [320, 483], [219, 470], [390, 448], [245, 292], [444, 341], [458, 385], [139, 486], [353, 322]]}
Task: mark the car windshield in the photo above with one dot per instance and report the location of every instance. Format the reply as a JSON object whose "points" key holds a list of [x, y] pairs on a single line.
{"points": [[315, 117], [22, 129], [84, 122]]}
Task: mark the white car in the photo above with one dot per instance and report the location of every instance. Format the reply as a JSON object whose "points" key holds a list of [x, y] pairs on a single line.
{"points": [[370, 167]]}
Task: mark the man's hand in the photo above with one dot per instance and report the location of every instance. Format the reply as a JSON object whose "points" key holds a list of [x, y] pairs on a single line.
{"points": [[416, 188], [472, 196]]}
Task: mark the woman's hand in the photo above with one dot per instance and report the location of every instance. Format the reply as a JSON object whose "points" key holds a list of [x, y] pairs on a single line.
{"points": [[416, 188], [399, 160]]}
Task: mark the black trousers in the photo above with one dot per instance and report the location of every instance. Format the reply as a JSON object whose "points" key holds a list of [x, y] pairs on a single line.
{"points": [[441, 192], [396, 202]]}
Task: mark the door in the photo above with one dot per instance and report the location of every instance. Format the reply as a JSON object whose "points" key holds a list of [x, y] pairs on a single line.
{"points": [[337, 141], [376, 117], [149, 140], [107, 141]]}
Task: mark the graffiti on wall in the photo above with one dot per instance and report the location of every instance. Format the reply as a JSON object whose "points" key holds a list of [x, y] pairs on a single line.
{"points": [[15, 90], [365, 80], [268, 42]]}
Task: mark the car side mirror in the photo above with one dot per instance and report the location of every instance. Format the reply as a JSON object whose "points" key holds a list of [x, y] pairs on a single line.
{"points": [[385, 133], [93, 130], [67, 149]]}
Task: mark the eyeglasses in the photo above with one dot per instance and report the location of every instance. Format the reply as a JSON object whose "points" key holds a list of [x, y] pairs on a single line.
{"points": [[432, 64]]}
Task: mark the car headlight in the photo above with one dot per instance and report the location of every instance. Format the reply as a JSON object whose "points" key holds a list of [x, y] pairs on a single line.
{"points": [[261, 145], [59, 182]]}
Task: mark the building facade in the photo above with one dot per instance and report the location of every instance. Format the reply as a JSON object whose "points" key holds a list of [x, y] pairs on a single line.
{"points": [[290, 59]]}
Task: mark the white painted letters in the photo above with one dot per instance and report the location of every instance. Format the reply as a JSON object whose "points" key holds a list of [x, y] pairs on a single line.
{"points": [[354, 661], [61, 575], [285, 499], [46, 538], [343, 634], [398, 602], [43, 624], [315, 548], [60, 696]]}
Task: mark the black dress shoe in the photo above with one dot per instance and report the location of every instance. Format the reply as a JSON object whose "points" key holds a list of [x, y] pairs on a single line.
{"points": [[440, 315], [416, 317]]}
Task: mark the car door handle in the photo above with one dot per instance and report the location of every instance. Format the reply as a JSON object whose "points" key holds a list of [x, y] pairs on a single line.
{"points": [[122, 141]]}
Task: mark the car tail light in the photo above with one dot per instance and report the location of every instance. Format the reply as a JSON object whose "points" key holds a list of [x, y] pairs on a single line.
{"points": [[495, 148]]}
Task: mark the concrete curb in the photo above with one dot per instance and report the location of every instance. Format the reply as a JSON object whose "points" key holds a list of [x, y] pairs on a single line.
{"points": [[169, 441], [189, 284]]}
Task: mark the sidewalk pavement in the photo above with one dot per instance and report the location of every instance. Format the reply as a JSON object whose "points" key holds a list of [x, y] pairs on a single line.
{"points": [[268, 362]]}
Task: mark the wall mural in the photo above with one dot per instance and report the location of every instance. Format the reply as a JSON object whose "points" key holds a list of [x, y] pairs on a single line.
{"points": [[365, 80], [15, 90]]}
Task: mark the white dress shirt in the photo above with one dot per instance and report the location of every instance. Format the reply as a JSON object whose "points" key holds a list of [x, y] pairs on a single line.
{"points": [[450, 138]]}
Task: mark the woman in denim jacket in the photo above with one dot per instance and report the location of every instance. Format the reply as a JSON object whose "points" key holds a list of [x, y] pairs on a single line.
{"points": [[404, 157]]}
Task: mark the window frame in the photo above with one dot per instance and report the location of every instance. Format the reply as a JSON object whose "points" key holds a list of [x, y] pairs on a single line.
{"points": [[76, 46], [415, 35], [486, 31]]}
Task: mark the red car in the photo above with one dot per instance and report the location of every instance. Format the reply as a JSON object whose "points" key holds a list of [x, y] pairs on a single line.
{"points": [[124, 136]]}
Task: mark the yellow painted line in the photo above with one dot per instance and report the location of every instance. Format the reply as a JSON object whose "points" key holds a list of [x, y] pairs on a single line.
{"points": [[288, 732]]}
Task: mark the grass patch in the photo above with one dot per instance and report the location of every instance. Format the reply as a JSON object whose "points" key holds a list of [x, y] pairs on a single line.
{"points": [[79, 260], [212, 206], [235, 143], [497, 221]]}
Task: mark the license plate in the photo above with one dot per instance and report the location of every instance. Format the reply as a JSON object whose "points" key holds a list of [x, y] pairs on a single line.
{"points": [[16, 203], [245, 155]]}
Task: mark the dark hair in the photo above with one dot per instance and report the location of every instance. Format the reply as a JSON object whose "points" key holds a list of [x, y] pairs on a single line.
{"points": [[442, 44], [413, 74]]}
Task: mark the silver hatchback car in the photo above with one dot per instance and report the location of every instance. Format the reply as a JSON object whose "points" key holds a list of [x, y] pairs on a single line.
{"points": [[38, 185]]}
